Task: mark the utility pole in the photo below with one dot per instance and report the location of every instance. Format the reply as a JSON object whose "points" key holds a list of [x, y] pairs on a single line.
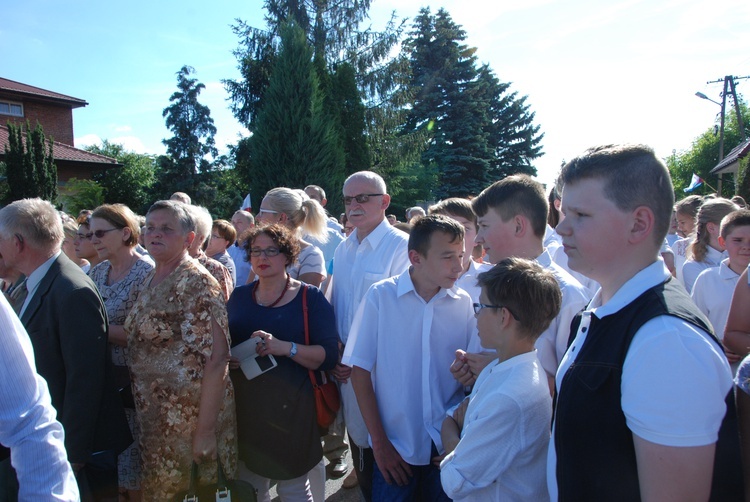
{"points": [[729, 86]]}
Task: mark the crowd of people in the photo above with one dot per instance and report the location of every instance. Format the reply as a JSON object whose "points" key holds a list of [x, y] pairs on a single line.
{"points": [[579, 344]]}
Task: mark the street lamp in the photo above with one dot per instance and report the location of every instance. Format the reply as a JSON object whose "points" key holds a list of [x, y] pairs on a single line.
{"points": [[703, 96]]}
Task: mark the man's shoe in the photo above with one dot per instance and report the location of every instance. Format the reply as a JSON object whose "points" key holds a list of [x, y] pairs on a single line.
{"points": [[338, 468], [350, 481]]}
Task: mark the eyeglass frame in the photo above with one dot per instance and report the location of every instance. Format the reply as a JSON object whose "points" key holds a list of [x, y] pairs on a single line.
{"points": [[362, 198], [479, 306], [101, 233], [256, 252]]}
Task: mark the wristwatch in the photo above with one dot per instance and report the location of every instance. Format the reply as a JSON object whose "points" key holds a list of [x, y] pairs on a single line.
{"points": [[293, 350]]}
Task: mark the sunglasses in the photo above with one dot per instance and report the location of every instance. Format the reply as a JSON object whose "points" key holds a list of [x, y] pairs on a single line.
{"points": [[100, 233], [361, 198]]}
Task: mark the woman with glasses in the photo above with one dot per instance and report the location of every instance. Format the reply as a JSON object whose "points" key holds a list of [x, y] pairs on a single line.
{"points": [[302, 215], [278, 433], [178, 340], [84, 250], [114, 235], [70, 229]]}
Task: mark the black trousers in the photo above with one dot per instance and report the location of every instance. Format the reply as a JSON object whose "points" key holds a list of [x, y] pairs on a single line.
{"points": [[364, 463]]}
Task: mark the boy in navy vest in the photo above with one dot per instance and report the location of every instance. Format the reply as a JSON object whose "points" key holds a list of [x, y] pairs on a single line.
{"points": [[641, 390]]}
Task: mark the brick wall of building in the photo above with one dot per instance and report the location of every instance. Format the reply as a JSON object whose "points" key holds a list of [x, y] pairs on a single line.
{"points": [[57, 121]]}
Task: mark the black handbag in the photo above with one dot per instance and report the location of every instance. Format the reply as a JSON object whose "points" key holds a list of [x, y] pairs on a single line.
{"points": [[223, 491]]}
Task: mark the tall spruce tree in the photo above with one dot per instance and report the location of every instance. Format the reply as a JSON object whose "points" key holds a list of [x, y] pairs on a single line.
{"points": [[193, 129], [295, 142], [476, 132], [30, 164]]}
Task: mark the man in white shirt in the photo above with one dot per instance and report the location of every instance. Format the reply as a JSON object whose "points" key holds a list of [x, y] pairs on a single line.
{"points": [[401, 345], [374, 251], [27, 419]]}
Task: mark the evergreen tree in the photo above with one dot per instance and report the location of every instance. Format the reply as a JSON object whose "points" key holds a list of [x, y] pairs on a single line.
{"points": [[30, 165], [193, 130], [476, 132], [294, 142]]}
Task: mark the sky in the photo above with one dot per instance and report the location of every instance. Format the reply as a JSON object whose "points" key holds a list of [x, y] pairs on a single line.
{"points": [[593, 71]]}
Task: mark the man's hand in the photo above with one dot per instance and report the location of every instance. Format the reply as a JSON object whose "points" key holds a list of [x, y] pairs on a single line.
{"points": [[393, 468]]}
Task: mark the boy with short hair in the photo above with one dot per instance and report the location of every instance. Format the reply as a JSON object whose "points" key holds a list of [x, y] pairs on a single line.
{"points": [[641, 390], [400, 346], [512, 217], [713, 289], [496, 440]]}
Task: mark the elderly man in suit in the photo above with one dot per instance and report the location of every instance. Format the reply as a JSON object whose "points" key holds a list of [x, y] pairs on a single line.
{"points": [[67, 324]]}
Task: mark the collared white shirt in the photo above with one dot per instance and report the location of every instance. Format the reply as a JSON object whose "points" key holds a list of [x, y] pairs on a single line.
{"points": [[712, 293], [408, 346], [553, 342], [32, 282], [692, 269], [27, 419], [359, 265], [502, 454], [328, 247], [674, 378]]}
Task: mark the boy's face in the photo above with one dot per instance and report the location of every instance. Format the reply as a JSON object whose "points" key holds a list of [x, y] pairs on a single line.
{"points": [[737, 244], [470, 234], [496, 236], [491, 333], [443, 263], [594, 230]]}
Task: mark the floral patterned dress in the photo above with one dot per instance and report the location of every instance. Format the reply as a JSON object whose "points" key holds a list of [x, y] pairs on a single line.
{"points": [[169, 337], [118, 300]]}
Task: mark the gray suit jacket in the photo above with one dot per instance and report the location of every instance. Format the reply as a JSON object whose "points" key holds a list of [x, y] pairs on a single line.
{"points": [[67, 323]]}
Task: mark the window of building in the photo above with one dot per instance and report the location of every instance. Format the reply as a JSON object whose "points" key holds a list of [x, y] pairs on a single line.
{"points": [[9, 108]]}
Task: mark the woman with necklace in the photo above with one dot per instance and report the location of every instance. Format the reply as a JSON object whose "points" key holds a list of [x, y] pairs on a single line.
{"points": [[114, 235], [179, 349], [278, 434]]}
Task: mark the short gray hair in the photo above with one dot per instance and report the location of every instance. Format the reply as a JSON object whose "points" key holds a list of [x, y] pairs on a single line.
{"points": [[178, 209], [370, 177], [203, 222], [36, 220]]}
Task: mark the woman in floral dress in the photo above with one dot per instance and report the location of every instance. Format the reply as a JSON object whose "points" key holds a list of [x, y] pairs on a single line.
{"points": [[179, 348], [114, 235]]}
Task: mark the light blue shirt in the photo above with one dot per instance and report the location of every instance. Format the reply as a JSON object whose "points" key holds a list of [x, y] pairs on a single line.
{"points": [[28, 423]]}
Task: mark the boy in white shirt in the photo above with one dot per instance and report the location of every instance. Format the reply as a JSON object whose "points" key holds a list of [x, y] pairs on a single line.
{"points": [[400, 346], [713, 289], [641, 390], [496, 440]]}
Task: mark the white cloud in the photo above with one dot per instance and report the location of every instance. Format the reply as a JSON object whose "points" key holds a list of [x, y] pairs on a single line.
{"points": [[87, 140], [123, 128], [132, 143]]}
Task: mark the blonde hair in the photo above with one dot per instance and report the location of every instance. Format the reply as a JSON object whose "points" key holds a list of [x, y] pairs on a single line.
{"points": [[712, 211], [303, 213]]}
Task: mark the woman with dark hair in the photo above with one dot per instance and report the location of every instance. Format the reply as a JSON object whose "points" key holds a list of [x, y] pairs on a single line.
{"points": [[278, 433], [114, 235], [178, 340]]}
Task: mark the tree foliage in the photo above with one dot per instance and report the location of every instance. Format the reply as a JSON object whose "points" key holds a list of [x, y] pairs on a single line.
{"points": [[295, 141], [30, 165], [192, 126], [81, 194], [703, 156], [477, 132], [130, 184]]}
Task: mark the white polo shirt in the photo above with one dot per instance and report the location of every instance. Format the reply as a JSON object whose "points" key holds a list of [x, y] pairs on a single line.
{"points": [[712, 293], [692, 269], [408, 346], [674, 378]]}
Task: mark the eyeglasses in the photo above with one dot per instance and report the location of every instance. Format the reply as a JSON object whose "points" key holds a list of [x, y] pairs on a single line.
{"points": [[479, 306], [361, 198], [101, 233], [84, 236], [269, 252]]}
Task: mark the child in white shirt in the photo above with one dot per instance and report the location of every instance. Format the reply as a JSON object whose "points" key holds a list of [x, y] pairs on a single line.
{"points": [[496, 440]]}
